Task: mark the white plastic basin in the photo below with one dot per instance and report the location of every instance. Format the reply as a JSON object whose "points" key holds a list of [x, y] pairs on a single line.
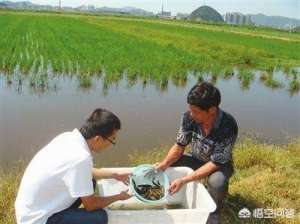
{"points": [[194, 201]]}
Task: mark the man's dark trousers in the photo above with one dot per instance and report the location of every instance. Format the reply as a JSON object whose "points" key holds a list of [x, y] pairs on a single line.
{"points": [[76, 215], [217, 183]]}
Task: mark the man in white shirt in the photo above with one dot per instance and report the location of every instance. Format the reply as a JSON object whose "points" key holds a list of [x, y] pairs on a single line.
{"points": [[59, 177]]}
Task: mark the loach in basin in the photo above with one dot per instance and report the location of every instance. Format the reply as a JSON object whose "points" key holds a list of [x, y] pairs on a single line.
{"points": [[152, 192], [149, 185]]}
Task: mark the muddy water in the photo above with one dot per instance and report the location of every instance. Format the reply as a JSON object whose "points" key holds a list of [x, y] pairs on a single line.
{"points": [[150, 117]]}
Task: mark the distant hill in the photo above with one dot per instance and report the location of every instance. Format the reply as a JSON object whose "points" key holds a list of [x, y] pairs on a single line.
{"points": [[127, 10], [16, 4], [87, 8], [275, 21], [206, 13], [26, 5]]}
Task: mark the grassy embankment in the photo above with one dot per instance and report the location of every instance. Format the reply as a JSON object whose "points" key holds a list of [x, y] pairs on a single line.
{"points": [[266, 176], [150, 49]]}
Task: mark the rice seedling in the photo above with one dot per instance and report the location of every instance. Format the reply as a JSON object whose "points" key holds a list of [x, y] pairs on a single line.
{"points": [[228, 73], [85, 81], [151, 49], [294, 86], [246, 77], [271, 82]]}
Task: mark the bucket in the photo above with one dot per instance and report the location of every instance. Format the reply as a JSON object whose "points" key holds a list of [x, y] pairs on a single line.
{"points": [[145, 176], [194, 199]]}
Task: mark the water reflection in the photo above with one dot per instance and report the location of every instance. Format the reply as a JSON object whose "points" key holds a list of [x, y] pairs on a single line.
{"points": [[150, 108], [45, 80]]}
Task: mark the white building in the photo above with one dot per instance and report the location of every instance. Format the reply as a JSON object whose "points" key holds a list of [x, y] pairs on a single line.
{"points": [[182, 16], [164, 14], [237, 18]]}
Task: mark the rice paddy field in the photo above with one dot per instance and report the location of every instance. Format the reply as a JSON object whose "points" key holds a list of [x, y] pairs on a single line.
{"points": [[37, 44], [54, 51]]}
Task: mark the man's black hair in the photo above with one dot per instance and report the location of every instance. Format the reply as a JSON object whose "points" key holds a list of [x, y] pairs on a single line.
{"points": [[204, 95], [101, 122]]}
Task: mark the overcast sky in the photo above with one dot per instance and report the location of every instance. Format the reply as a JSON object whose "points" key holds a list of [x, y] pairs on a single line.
{"points": [[288, 8]]}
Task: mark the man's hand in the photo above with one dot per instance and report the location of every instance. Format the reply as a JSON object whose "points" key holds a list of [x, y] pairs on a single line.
{"points": [[176, 185], [105, 173], [160, 166], [124, 177], [93, 202], [124, 195], [173, 155]]}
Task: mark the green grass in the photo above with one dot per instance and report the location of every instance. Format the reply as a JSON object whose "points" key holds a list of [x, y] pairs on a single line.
{"points": [[150, 49], [9, 183], [266, 176]]}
